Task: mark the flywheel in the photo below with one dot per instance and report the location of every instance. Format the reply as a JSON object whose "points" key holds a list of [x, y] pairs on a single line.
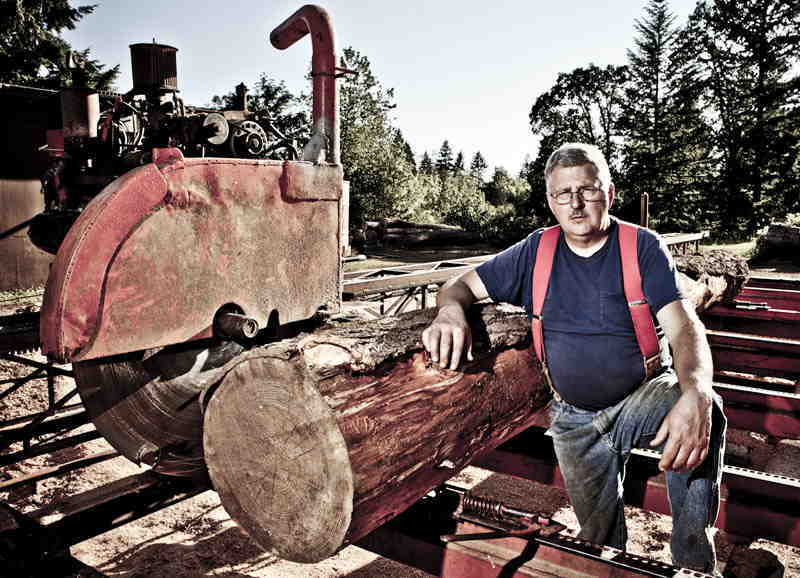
{"points": [[146, 404]]}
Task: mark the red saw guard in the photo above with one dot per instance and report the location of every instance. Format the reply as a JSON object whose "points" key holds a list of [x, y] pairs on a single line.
{"points": [[156, 254]]}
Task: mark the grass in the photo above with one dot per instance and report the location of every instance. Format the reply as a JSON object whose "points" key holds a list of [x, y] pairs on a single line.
{"points": [[744, 249]]}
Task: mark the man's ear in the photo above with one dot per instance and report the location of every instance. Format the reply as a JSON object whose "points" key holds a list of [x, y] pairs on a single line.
{"points": [[611, 195]]}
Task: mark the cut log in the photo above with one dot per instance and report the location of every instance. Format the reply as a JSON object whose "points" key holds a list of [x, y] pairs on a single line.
{"points": [[315, 441], [712, 276]]}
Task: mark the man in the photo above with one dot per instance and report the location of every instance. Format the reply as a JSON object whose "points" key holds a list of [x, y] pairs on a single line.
{"points": [[604, 405]]}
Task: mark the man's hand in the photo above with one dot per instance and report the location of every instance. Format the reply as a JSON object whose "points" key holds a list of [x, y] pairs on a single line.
{"points": [[686, 429], [448, 337]]}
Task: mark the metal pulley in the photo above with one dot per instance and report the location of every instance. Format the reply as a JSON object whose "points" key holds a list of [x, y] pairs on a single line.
{"points": [[216, 128], [248, 139]]}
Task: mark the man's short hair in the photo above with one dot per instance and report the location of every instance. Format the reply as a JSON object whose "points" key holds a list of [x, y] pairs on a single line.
{"points": [[576, 154]]}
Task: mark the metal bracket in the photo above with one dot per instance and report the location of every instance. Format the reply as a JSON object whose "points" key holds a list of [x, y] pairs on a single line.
{"points": [[509, 522]]}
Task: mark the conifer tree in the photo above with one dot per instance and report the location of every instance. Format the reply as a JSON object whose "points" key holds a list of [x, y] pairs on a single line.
{"points": [[746, 51], [426, 164], [458, 164], [477, 166], [32, 52], [444, 162], [668, 145]]}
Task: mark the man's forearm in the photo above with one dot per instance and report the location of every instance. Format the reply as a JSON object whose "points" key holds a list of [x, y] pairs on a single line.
{"points": [[693, 363], [455, 292]]}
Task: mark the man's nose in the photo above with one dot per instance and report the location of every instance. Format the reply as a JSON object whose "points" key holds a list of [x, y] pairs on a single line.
{"points": [[576, 200]]}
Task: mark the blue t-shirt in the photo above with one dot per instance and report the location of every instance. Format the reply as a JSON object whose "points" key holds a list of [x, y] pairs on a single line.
{"points": [[590, 344]]}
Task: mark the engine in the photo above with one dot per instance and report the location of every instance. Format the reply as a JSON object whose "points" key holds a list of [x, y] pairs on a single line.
{"points": [[104, 135]]}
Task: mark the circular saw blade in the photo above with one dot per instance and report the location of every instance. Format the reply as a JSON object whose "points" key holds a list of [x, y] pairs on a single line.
{"points": [[147, 406]]}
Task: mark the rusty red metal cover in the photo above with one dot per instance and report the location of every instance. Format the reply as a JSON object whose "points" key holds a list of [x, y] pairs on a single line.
{"points": [[162, 248]]}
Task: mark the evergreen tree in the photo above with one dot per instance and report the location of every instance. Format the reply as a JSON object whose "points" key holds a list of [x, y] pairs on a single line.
{"points": [[402, 144], [747, 51], [668, 145], [444, 162], [32, 52], [477, 166], [458, 164], [426, 164]]}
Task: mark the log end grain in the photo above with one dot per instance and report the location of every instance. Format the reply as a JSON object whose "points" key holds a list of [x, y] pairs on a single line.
{"points": [[278, 460]]}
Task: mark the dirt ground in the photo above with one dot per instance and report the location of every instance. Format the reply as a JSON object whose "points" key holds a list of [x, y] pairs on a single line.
{"points": [[196, 538]]}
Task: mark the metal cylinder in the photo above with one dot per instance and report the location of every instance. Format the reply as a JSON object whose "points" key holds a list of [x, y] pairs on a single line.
{"points": [[236, 326], [80, 112], [154, 67]]}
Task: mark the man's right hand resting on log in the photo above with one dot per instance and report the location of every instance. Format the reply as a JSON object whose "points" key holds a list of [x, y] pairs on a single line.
{"points": [[448, 338]]}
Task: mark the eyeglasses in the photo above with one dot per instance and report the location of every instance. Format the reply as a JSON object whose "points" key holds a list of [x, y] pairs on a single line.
{"points": [[588, 194]]}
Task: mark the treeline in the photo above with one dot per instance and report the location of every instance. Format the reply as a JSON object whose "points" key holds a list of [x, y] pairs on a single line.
{"points": [[705, 117]]}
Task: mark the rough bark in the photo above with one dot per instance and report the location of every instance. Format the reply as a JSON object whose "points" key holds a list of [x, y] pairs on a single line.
{"points": [[712, 276], [315, 441]]}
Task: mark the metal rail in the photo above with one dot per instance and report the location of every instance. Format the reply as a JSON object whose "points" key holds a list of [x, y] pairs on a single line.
{"points": [[756, 504], [435, 536]]}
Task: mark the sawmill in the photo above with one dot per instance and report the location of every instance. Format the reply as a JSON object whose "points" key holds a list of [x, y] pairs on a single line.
{"points": [[198, 299]]}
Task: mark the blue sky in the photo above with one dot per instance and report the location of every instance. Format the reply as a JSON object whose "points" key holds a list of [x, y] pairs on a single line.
{"points": [[467, 70]]}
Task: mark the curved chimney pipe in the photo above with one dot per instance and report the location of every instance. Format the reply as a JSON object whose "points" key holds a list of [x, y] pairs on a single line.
{"points": [[314, 20]]}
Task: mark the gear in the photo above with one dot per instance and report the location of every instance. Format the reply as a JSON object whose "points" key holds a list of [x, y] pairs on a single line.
{"points": [[248, 139]]}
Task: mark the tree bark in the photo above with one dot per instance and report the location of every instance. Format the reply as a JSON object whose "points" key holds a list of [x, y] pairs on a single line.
{"points": [[315, 441], [712, 276]]}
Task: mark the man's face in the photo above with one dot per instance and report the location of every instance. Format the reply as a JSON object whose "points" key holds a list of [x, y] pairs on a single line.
{"points": [[579, 219]]}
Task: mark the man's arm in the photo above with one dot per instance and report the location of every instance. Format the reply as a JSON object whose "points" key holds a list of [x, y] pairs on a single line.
{"points": [[449, 335], [687, 427]]}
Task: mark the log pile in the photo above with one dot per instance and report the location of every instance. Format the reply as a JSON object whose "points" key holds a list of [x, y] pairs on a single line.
{"points": [[779, 240], [397, 232]]}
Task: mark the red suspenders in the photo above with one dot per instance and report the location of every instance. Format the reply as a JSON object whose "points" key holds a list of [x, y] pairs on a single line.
{"points": [[632, 280]]}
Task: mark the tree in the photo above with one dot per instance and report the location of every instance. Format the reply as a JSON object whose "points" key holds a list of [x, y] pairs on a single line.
{"points": [[668, 146], [458, 164], [426, 164], [32, 51], [585, 105], [748, 53], [408, 153], [374, 159], [444, 162], [477, 166], [500, 188]]}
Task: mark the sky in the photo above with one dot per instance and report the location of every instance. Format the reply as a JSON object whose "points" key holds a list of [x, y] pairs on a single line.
{"points": [[463, 70]]}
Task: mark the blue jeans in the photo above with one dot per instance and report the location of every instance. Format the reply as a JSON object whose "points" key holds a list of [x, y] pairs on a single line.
{"points": [[592, 448]]}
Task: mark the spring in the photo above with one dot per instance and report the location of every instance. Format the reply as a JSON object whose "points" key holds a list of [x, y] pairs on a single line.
{"points": [[482, 507]]}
